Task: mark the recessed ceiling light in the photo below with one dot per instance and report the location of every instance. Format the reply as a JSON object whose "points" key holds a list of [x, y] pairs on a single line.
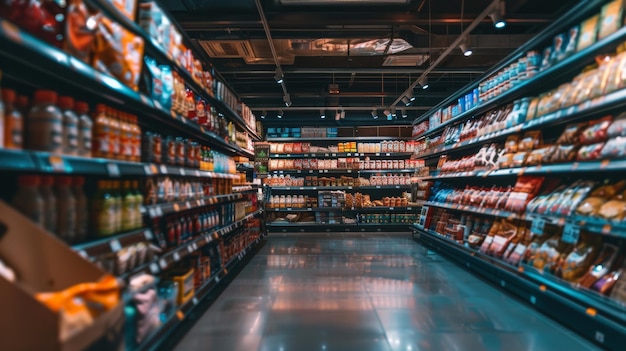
{"points": [[497, 15]]}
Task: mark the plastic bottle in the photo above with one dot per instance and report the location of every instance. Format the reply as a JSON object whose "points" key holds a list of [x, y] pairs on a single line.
{"points": [[66, 209], [13, 121], [44, 130], [28, 199], [118, 205], [136, 135], [128, 207], [70, 126], [85, 129], [103, 210], [115, 134], [82, 213], [101, 133], [126, 139], [50, 203], [138, 201]]}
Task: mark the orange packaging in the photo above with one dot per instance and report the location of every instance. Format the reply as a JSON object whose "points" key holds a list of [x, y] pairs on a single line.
{"points": [[127, 7]]}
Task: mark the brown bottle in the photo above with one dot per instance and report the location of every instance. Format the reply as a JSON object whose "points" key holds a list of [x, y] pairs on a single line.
{"points": [[44, 126], [101, 133], [13, 121]]}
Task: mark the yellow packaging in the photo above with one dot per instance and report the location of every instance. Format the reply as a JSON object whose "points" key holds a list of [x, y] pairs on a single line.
{"points": [[611, 18], [186, 287], [588, 32]]}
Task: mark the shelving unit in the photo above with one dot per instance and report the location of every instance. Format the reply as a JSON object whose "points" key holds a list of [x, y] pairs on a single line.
{"points": [[50, 67], [594, 315]]}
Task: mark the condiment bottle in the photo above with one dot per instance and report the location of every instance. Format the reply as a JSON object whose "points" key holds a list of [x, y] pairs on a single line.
{"points": [[13, 121], [136, 133], [50, 203], [103, 210], [44, 130], [138, 201], [85, 129], [70, 126], [66, 209], [28, 199], [2, 117], [126, 138], [128, 207], [82, 210], [117, 209], [101, 133], [115, 134], [22, 104]]}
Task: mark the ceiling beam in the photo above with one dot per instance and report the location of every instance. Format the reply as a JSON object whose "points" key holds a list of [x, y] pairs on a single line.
{"points": [[353, 70]]}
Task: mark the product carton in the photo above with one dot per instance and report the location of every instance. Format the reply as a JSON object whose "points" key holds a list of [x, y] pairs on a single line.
{"points": [[43, 263]]}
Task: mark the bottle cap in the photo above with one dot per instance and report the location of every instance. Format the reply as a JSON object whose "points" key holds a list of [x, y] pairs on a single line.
{"points": [[45, 96], [22, 101], [66, 102], [81, 107], [28, 180], [8, 95]]}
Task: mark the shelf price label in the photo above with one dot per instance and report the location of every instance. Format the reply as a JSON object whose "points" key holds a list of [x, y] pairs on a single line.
{"points": [[57, 163], [163, 169], [537, 225], [571, 233], [115, 245]]}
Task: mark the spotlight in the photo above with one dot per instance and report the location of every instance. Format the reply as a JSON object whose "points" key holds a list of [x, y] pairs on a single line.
{"points": [[263, 114], [280, 114], [337, 115], [497, 15], [393, 112], [375, 113], [287, 100], [406, 101], [343, 114], [403, 112], [279, 76], [322, 114], [424, 83], [465, 47], [410, 96]]}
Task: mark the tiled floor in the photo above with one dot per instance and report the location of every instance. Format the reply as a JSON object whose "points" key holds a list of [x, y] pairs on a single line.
{"points": [[334, 292]]}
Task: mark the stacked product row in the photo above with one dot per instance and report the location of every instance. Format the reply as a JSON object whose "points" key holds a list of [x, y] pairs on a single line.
{"points": [[342, 163], [384, 180], [385, 146]]}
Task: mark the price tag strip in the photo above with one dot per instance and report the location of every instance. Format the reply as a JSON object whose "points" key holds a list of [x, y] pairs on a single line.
{"points": [[571, 233]]}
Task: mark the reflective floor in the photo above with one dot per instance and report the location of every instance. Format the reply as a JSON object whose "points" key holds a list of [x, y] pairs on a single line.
{"points": [[323, 292]]}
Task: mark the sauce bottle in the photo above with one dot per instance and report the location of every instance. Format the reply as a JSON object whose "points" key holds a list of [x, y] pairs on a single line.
{"points": [[126, 138], [82, 213], [50, 203], [101, 133], [2, 117], [13, 121], [44, 130], [103, 210], [70, 126], [128, 207], [115, 134], [28, 199], [85, 129], [117, 206], [22, 104], [138, 201], [66, 209], [136, 133]]}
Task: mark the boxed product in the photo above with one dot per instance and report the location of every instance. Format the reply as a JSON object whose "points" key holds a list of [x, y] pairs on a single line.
{"points": [[127, 7]]}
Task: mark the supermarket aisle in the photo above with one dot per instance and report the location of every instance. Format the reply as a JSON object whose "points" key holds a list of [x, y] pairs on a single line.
{"points": [[367, 293]]}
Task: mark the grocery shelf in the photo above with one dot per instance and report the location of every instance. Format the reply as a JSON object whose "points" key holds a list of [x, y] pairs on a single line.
{"points": [[591, 316], [155, 50], [282, 227], [330, 140], [557, 72], [113, 243], [168, 259], [158, 336], [246, 188], [590, 224], [339, 171], [343, 154], [313, 188], [57, 66], [339, 209], [159, 210]]}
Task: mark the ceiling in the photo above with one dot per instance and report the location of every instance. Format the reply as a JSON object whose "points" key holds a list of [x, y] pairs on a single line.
{"points": [[372, 50]]}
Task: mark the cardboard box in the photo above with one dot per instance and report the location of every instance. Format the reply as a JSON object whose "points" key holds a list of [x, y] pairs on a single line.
{"points": [[43, 263]]}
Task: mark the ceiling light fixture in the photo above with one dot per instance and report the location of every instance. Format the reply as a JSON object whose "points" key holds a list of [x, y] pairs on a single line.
{"points": [[403, 113], [280, 114], [393, 112], [465, 47], [375, 113], [287, 100], [424, 82], [322, 114], [280, 78], [406, 101], [337, 115], [263, 114], [497, 15], [343, 114], [410, 96]]}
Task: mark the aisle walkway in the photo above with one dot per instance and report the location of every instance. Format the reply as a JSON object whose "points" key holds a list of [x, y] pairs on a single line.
{"points": [[354, 293]]}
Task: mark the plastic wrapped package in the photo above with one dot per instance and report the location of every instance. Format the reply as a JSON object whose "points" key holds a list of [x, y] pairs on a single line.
{"points": [[611, 18], [588, 32]]}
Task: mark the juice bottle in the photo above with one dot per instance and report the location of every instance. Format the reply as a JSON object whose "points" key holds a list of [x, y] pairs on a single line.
{"points": [[138, 201], [128, 207], [103, 210], [28, 199], [85, 129], [101, 133], [44, 130], [13, 121], [50, 203], [118, 205], [70, 126], [115, 134], [82, 213], [66, 209]]}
